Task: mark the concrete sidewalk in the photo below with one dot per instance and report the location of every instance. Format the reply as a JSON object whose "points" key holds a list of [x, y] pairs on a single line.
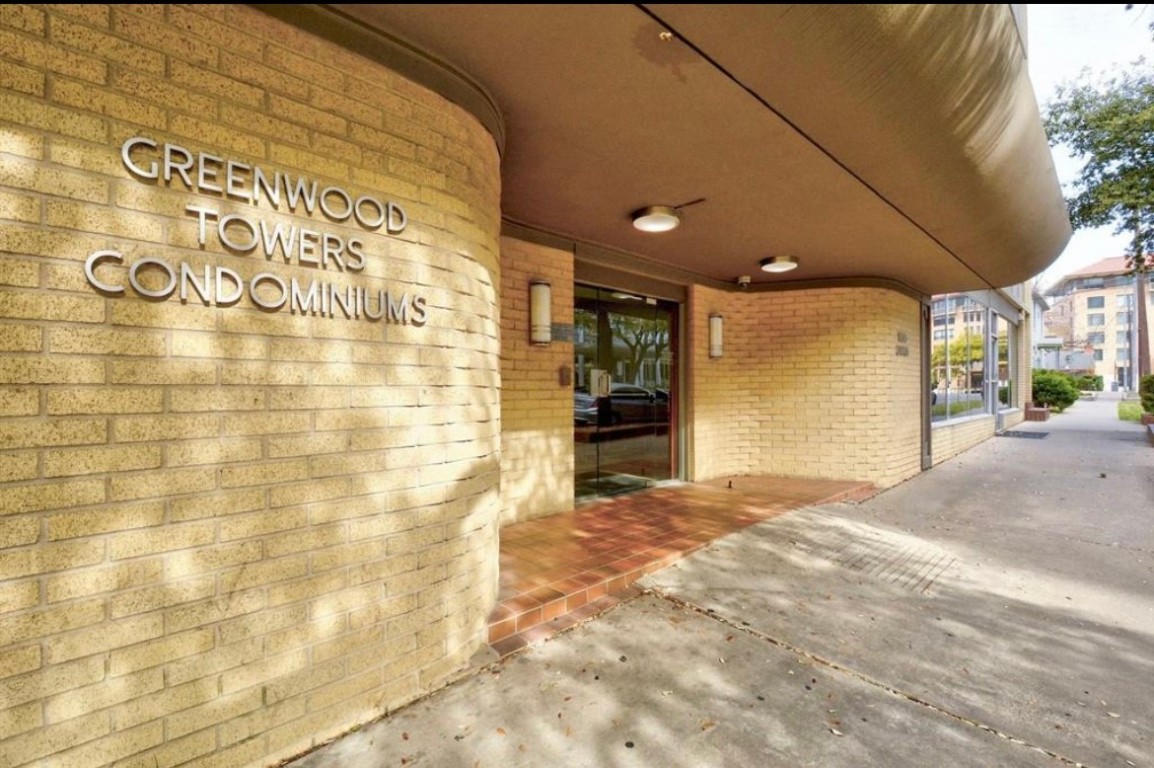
{"points": [[996, 610]]}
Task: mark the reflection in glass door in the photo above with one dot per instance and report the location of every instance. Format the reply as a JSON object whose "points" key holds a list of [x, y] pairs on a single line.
{"points": [[624, 391]]}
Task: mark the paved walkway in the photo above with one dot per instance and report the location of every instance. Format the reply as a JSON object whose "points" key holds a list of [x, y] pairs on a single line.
{"points": [[997, 610], [560, 570]]}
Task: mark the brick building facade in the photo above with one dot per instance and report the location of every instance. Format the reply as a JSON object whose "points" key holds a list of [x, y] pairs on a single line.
{"points": [[267, 390]]}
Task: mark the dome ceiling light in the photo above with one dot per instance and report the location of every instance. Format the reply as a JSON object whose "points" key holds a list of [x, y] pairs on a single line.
{"points": [[660, 218], [779, 264], [656, 218]]}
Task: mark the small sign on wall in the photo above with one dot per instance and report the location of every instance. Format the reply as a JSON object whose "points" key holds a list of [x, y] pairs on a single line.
{"points": [[902, 349]]}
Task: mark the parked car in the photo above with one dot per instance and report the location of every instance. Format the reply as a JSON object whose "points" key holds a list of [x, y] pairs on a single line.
{"points": [[627, 404], [584, 408]]}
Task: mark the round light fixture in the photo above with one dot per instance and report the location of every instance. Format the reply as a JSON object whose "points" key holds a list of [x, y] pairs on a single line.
{"points": [[779, 264], [656, 218]]}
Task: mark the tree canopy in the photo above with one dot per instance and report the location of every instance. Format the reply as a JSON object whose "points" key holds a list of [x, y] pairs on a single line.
{"points": [[1110, 126]]}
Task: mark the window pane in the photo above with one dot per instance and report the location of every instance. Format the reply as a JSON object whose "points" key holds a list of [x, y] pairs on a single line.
{"points": [[958, 374], [1003, 330]]}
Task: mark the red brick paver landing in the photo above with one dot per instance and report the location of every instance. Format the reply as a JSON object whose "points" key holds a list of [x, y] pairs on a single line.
{"points": [[560, 570]]}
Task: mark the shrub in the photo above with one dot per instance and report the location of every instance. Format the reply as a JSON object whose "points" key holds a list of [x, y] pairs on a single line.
{"points": [[1146, 392], [1089, 383], [1055, 389]]}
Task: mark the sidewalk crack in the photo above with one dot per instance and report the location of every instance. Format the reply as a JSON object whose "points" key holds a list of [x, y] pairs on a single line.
{"points": [[836, 667]]}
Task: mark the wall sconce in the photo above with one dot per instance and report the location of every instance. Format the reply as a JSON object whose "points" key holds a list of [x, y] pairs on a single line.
{"points": [[715, 322], [540, 312], [779, 264]]}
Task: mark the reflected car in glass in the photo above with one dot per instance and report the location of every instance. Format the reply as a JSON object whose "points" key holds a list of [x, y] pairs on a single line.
{"points": [[627, 404]]}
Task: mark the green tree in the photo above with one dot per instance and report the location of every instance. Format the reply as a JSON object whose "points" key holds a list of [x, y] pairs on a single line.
{"points": [[1109, 125], [644, 339]]}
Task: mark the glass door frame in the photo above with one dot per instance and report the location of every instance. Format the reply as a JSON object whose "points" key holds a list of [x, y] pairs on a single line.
{"points": [[667, 433]]}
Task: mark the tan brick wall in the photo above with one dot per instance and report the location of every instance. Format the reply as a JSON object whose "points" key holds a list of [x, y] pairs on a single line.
{"points": [[954, 437], [228, 534], [811, 384], [536, 407]]}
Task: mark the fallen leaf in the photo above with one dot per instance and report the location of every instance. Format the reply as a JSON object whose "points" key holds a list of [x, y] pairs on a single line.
{"points": [[501, 731], [836, 732], [405, 736], [1113, 714], [707, 724]]}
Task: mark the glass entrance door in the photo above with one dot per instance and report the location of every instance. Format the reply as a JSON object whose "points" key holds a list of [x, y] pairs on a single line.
{"points": [[624, 400]]}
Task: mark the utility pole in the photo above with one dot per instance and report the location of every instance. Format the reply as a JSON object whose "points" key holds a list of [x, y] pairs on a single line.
{"points": [[1142, 337]]}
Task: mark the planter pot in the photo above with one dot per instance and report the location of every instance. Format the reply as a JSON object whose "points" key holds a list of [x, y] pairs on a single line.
{"points": [[1147, 419], [1037, 413]]}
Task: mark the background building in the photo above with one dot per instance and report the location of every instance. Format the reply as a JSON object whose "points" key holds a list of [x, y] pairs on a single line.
{"points": [[1093, 312]]}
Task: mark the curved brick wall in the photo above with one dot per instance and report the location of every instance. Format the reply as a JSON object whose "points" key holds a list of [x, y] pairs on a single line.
{"points": [[237, 524], [813, 383]]}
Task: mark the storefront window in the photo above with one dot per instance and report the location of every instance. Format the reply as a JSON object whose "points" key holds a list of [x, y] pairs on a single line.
{"points": [[1005, 342], [957, 363]]}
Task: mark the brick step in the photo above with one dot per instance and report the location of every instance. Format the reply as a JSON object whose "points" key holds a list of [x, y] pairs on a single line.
{"points": [[561, 570]]}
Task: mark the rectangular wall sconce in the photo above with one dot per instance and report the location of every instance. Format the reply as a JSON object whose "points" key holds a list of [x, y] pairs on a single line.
{"points": [[715, 336], [540, 312]]}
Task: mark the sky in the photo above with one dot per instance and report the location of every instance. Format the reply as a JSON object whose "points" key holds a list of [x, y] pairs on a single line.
{"points": [[1063, 40]]}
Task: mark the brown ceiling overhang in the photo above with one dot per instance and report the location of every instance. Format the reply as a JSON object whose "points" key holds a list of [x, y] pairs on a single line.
{"points": [[891, 142]]}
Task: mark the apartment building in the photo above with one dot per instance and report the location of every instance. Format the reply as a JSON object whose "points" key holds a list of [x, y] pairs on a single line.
{"points": [[1094, 313], [301, 305]]}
